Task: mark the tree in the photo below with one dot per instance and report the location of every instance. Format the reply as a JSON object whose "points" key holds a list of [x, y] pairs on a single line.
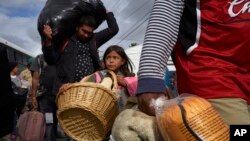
{"points": [[133, 44]]}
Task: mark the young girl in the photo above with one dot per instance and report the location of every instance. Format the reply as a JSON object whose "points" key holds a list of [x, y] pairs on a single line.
{"points": [[116, 59]]}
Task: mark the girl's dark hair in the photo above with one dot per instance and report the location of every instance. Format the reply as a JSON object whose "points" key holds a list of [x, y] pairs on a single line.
{"points": [[126, 69], [87, 20]]}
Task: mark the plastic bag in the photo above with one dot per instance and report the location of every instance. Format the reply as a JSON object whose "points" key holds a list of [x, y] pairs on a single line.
{"points": [[20, 96], [63, 15], [31, 126], [189, 117]]}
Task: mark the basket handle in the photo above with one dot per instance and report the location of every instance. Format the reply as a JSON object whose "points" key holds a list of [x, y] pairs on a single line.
{"points": [[113, 77], [63, 88]]}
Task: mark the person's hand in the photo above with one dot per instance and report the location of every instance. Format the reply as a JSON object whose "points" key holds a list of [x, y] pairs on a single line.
{"points": [[34, 103], [47, 31], [107, 11], [144, 101], [64, 87], [121, 81]]}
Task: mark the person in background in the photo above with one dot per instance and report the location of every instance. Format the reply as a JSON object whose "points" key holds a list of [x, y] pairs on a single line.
{"points": [[169, 93], [79, 56], [43, 77], [18, 82], [126, 127], [26, 74], [211, 62], [14, 74], [167, 77], [172, 86], [116, 60], [20, 97]]}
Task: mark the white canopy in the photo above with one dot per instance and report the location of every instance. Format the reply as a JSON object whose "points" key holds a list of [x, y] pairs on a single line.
{"points": [[134, 54], [16, 47]]}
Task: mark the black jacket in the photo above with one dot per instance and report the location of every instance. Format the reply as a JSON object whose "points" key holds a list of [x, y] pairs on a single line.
{"points": [[65, 59], [6, 95]]}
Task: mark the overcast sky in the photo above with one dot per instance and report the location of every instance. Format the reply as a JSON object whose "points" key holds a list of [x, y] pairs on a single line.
{"points": [[18, 22]]}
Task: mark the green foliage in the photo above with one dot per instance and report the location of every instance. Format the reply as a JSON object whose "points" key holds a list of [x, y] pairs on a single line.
{"points": [[133, 44]]}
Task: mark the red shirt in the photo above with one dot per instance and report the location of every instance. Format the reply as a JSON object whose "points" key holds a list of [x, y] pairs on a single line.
{"points": [[213, 56]]}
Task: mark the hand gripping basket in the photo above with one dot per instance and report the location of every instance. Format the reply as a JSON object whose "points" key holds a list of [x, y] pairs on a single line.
{"points": [[87, 110]]}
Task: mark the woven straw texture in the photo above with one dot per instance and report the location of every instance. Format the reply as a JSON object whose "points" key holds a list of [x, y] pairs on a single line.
{"points": [[87, 110]]}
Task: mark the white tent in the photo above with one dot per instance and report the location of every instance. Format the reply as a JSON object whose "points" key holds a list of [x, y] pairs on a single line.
{"points": [[134, 54], [16, 47]]}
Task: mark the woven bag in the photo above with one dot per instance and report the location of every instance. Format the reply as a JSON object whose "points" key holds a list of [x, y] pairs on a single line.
{"points": [[87, 110]]}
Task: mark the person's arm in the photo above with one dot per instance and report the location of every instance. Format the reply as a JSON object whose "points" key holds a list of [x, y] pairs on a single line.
{"points": [[131, 85], [35, 83], [104, 35], [161, 36], [35, 69], [50, 54]]}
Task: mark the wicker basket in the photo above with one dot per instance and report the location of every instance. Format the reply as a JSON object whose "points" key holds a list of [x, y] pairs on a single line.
{"points": [[87, 110]]}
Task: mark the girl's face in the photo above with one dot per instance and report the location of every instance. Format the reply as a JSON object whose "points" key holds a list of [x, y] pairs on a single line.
{"points": [[113, 61]]}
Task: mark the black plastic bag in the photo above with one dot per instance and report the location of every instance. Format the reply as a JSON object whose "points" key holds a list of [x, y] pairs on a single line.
{"points": [[20, 95], [19, 90], [63, 15]]}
